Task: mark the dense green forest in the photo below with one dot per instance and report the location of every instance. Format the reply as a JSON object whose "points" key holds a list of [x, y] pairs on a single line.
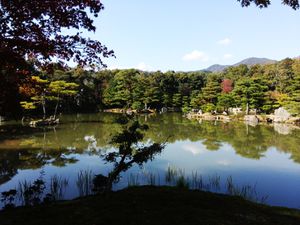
{"points": [[261, 87]]}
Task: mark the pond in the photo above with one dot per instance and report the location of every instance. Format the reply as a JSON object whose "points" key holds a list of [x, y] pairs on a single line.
{"points": [[265, 157]]}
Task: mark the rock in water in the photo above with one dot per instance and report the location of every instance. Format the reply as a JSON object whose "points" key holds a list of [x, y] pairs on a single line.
{"points": [[281, 115], [284, 129], [251, 120]]}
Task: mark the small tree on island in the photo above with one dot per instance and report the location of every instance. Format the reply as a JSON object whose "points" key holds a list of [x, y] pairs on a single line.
{"points": [[59, 90], [35, 90], [44, 91]]}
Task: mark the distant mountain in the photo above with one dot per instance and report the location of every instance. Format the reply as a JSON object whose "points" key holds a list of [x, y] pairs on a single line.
{"points": [[253, 61], [249, 62], [216, 68]]}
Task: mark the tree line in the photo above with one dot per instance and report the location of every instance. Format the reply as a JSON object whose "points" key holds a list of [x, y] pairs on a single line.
{"points": [[36, 36], [260, 87]]}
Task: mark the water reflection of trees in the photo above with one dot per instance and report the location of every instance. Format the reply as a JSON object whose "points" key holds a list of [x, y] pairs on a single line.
{"points": [[30, 149], [247, 141], [7, 167], [56, 148], [129, 151], [11, 161]]}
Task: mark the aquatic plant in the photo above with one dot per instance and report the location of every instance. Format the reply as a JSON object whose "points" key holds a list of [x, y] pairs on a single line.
{"points": [[84, 182], [31, 194], [58, 187], [171, 174], [151, 179], [214, 182], [197, 181], [176, 177], [182, 182], [133, 180], [247, 192]]}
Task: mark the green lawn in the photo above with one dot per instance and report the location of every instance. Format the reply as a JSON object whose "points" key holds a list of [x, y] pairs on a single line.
{"points": [[153, 205]]}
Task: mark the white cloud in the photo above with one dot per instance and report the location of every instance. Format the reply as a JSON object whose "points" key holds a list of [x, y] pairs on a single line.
{"points": [[143, 66], [224, 162], [227, 56], [195, 150], [112, 67], [196, 55], [225, 41]]}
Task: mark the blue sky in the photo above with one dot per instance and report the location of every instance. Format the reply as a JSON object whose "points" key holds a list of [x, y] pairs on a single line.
{"points": [[194, 34]]}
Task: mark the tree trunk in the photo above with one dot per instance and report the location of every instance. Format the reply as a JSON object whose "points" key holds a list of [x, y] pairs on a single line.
{"points": [[44, 106], [56, 107]]}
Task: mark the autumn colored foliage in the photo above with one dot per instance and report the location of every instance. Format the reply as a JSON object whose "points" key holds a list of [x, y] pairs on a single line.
{"points": [[32, 32], [226, 86]]}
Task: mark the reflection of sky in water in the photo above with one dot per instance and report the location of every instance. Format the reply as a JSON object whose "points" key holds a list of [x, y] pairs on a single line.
{"points": [[275, 173]]}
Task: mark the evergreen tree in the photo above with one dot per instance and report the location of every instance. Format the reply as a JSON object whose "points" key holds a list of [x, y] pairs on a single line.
{"points": [[250, 93], [225, 101], [293, 104], [177, 100], [211, 92], [120, 93]]}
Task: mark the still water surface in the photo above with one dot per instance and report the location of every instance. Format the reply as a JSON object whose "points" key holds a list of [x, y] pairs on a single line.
{"points": [[264, 156]]}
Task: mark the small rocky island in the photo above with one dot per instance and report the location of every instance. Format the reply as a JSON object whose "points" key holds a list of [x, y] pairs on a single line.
{"points": [[281, 115]]}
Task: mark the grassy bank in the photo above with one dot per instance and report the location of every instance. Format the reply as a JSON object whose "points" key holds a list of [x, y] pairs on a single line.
{"points": [[153, 205]]}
